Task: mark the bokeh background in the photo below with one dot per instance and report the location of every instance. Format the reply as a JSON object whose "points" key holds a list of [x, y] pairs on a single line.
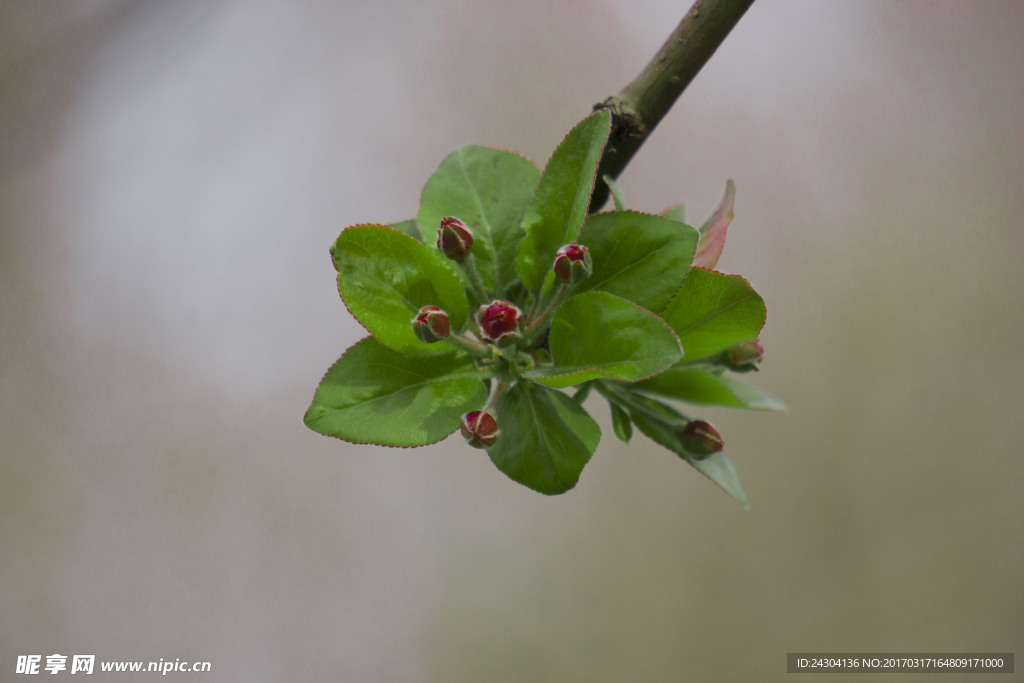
{"points": [[171, 175]]}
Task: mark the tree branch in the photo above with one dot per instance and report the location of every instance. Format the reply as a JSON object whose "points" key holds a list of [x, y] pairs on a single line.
{"points": [[642, 104]]}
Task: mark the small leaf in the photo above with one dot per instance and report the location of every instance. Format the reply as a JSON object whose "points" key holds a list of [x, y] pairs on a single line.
{"points": [[613, 187], [663, 424], [560, 204], [657, 421], [713, 311], [376, 395], [621, 423], [712, 233], [719, 469], [638, 256], [489, 190], [599, 335], [700, 386], [546, 438], [676, 213], [581, 394], [385, 277], [409, 228]]}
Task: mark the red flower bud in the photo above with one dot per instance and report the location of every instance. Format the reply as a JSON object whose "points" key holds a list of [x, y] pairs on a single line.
{"points": [[479, 428], [500, 321], [573, 263], [701, 439], [454, 239], [744, 357], [431, 324]]}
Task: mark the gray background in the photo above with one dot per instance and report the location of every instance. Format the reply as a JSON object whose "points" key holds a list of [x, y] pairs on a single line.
{"points": [[171, 175]]}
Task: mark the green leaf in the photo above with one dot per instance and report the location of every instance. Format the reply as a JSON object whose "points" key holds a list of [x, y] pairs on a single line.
{"points": [[581, 394], [385, 277], [560, 204], [719, 469], [409, 228], [597, 334], [376, 395], [701, 386], [546, 438], [676, 213], [621, 423], [657, 421], [616, 192], [637, 256], [662, 424], [713, 311], [489, 190]]}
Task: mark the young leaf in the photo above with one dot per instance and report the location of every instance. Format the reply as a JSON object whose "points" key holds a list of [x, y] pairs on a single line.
{"points": [[676, 213], [616, 191], [719, 469], [560, 203], [663, 424], [385, 277], [713, 311], [700, 386], [637, 256], [599, 335], [659, 422], [621, 423], [712, 233], [546, 438], [489, 190], [376, 395], [409, 228]]}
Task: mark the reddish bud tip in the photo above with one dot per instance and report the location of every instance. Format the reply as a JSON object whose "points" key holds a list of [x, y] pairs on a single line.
{"points": [[700, 439], [500, 321], [431, 324], [454, 238], [744, 357], [479, 428], [573, 263]]}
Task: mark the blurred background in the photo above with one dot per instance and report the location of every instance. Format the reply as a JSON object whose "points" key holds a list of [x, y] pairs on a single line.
{"points": [[171, 175]]}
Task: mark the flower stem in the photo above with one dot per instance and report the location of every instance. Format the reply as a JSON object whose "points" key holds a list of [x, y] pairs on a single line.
{"points": [[538, 324], [463, 341], [469, 264], [498, 385]]}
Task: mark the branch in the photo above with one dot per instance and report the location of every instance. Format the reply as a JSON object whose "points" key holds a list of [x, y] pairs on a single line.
{"points": [[642, 104]]}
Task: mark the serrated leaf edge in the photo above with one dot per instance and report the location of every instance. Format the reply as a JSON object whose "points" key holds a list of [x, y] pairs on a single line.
{"points": [[428, 353], [364, 443]]}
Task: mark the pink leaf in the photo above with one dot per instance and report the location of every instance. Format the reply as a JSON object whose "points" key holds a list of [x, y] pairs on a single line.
{"points": [[712, 233]]}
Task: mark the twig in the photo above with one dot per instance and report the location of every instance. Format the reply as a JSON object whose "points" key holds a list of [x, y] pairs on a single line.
{"points": [[642, 104]]}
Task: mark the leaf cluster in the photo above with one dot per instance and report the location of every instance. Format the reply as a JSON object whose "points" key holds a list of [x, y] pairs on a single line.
{"points": [[649, 328]]}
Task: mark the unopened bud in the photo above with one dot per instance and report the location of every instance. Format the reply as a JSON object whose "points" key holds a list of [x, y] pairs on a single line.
{"points": [[700, 439], [573, 263], [745, 357], [454, 238], [479, 428], [431, 324], [500, 321]]}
